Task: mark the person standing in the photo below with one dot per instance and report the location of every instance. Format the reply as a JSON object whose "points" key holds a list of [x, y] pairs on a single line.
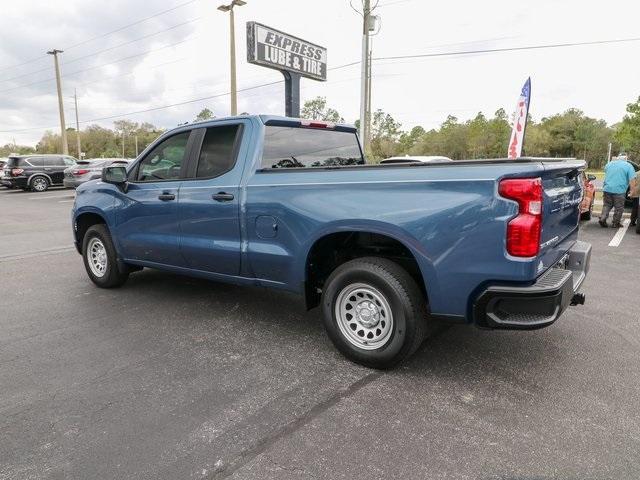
{"points": [[635, 196], [618, 175]]}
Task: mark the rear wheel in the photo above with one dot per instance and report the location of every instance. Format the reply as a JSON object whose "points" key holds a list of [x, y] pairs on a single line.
{"points": [[100, 259], [39, 184], [374, 312]]}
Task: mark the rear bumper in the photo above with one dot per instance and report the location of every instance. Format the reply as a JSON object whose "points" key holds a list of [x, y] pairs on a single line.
{"points": [[15, 182], [537, 305]]}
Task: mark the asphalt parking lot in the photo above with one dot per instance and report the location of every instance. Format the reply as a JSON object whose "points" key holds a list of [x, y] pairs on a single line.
{"points": [[174, 378]]}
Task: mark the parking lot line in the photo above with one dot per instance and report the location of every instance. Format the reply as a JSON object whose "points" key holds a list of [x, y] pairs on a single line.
{"points": [[46, 197], [66, 201], [617, 238]]}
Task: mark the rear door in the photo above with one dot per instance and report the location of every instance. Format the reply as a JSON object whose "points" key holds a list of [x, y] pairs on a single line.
{"points": [[147, 216], [209, 200]]}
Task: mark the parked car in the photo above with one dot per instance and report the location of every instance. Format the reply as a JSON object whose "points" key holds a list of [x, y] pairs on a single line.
{"points": [[383, 249], [36, 172], [3, 162], [416, 159], [588, 199], [90, 169]]}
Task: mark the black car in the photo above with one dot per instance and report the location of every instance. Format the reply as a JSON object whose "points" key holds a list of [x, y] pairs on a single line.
{"points": [[36, 172]]}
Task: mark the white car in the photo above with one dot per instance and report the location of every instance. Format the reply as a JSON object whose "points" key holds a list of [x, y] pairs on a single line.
{"points": [[3, 162], [417, 159]]}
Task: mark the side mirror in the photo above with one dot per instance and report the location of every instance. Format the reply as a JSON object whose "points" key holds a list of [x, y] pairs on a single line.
{"points": [[114, 175], [592, 178]]}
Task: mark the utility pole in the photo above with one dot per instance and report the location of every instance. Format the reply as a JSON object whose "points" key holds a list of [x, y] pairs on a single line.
{"points": [[364, 72], [368, 26], [136, 139], [63, 128], [367, 139], [123, 144], [232, 50], [75, 99]]}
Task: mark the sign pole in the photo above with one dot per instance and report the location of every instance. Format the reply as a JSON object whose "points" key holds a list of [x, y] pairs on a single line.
{"points": [[291, 94]]}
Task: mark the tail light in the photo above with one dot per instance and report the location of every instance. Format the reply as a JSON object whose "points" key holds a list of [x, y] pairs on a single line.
{"points": [[79, 172], [16, 171], [317, 124], [523, 231]]}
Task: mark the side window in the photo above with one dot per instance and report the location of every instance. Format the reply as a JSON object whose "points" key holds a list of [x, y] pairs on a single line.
{"points": [[165, 160], [57, 161], [68, 161], [217, 154], [36, 161]]}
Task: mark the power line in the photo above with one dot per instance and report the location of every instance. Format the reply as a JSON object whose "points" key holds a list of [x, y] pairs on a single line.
{"points": [[93, 54], [396, 57], [99, 66], [510, 49], [35, 59], [186, 102], [132, 73]]}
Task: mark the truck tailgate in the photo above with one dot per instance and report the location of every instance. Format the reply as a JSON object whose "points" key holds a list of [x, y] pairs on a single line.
{"points": [[562, 194]]}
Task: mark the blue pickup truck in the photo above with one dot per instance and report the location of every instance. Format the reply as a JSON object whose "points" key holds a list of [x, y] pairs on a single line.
{"points": [[383, 249]]}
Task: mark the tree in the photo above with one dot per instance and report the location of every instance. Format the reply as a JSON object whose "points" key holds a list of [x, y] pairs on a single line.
{"points": [[627, 133], [205, 114], [316, 109], [10, 148]]}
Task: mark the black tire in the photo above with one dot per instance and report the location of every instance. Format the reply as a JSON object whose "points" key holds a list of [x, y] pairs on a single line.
{"points": [[637, 227], [39, 183], [401, 293], [111, 276]]}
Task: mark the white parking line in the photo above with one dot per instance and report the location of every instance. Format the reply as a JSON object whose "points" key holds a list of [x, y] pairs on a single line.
{"points": [[47, 197], [617, 238], [66, 201]]}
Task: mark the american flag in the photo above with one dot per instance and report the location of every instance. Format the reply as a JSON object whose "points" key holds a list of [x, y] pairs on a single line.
{"points": [[520, 121]]}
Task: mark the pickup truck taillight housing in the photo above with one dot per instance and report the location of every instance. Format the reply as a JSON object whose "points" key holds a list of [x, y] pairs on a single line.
{"points": [[524, 230]]}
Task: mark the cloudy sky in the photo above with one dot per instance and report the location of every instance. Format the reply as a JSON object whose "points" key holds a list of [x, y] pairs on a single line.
{"points": [[182, 55]]}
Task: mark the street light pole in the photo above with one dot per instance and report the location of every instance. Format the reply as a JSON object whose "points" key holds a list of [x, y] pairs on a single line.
{"points": [[63, 128], [75, 99], [232, 51]]}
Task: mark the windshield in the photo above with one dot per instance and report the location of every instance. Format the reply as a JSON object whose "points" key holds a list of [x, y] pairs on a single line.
{"points": [[294, 147]]}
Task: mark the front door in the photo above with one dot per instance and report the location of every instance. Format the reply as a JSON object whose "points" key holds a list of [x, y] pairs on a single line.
{"points": [[209, 202], [147, 219]]}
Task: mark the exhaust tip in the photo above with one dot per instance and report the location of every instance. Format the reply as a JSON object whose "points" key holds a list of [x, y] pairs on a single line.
{"points": [[578, 299]]}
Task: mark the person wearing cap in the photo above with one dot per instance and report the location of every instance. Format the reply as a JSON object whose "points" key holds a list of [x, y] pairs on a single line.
{"points": [[618, 175]]}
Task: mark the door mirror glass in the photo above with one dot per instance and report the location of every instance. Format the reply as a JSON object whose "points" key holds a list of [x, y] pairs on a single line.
{"points": [[114, 175]]}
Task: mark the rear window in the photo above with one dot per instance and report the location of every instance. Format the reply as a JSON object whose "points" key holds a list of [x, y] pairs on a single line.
{"points": [[293, 147], [17, 162], [216, 154]]}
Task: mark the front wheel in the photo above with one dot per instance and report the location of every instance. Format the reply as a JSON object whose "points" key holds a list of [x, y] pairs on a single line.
{"points": [[374, 312], [100, 258]]}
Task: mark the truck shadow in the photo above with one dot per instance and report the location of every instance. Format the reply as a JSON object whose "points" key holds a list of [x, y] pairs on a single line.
{"points": [[450, 350]]}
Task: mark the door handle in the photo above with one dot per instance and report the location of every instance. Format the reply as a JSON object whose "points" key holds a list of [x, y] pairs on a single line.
{"points": [[222, 197], [166, 197]]}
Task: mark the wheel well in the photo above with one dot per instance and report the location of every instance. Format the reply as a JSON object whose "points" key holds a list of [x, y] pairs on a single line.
{"points": [[35, 175], [83, 222], [333, 250]]}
